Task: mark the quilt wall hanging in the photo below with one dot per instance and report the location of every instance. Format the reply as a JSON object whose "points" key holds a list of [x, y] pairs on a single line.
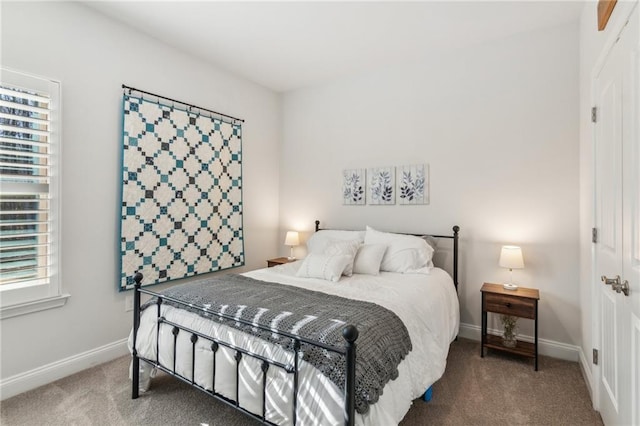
{"points": [[181, 211]]}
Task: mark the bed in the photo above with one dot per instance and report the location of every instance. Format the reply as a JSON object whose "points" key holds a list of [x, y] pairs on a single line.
{"points": [[272, 373]]}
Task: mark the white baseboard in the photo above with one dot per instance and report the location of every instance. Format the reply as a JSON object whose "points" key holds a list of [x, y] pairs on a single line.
{"points": [[545, 347], [585, 368], [40, 376]]}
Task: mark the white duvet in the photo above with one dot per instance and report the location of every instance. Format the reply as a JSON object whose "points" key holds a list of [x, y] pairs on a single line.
{"points": [[427, 304]]}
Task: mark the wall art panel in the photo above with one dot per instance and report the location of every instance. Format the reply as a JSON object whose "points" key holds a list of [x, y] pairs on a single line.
{"points": [[353, 185], [413, 184], [381, 186]]}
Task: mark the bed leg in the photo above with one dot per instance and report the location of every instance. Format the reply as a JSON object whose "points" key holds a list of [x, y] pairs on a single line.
{"points": [[135, 365], [456, 229], [428, 394], [135, 383], [350, 334]]}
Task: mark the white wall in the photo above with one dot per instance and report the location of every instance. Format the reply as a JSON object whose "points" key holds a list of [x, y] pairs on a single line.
{"points": [[593, 45], [92, 56], [498, 124]]}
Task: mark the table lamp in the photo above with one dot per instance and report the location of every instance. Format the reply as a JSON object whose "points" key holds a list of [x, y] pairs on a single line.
{"points": [[292, 239], [511, 257]]}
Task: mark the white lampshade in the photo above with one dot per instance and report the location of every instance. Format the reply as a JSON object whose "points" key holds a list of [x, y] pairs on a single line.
{"points": [[292, 239], [511, 257]]}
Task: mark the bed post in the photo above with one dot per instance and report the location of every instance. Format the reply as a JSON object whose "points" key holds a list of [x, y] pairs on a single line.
{"points": [[350, 334], [456, 229], [317, 225], [135, 366]]}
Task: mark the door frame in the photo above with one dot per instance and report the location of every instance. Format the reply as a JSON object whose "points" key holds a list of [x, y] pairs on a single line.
{"points": [[615, 26]]}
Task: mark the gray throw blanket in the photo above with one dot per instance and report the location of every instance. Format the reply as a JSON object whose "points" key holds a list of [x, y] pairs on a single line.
{"points": [[382, 343]]}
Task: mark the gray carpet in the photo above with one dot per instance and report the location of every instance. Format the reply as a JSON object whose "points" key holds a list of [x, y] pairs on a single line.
{"points": [[495, 390]]}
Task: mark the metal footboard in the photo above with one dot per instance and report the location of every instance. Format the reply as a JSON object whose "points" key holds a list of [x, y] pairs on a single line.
{"points": [[350, 334]]}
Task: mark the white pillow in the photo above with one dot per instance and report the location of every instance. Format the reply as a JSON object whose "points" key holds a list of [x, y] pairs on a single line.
{"points": [[323, 266], [433, 243], [368, 259], [344, 248], [320, 240], [405, 253]]}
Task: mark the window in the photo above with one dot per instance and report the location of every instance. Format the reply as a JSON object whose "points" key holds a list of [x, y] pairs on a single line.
{"points": [[29, 194]]}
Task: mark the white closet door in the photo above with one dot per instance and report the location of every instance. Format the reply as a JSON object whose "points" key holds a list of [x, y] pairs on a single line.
{"points": [[631, 206], [617, 252]]}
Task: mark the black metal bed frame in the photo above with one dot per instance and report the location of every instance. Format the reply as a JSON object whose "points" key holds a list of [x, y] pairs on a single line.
{"points": [[349, 332]]}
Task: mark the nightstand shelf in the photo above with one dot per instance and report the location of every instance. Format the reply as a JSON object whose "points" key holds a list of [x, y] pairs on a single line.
{"points": [[522, 303], [522, 348]]}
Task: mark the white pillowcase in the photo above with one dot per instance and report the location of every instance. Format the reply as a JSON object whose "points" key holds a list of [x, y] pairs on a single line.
{"points": [[323, 266], [368, 259], [405, 253], [344, 248], [320, 240], [433, 243]]}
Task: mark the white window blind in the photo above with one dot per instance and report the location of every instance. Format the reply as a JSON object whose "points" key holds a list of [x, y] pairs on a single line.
{"points": [[24, 174], [28, 188]]}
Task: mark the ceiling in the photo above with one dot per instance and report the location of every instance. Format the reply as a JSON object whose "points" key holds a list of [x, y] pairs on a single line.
{"points": [[288, 45]]}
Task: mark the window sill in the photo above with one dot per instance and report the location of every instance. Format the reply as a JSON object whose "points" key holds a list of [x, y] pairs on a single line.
{"points": [[30, 307]]}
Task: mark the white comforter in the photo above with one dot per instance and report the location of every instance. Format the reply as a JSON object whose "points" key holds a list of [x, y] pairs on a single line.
{"points": [[427, 304]]}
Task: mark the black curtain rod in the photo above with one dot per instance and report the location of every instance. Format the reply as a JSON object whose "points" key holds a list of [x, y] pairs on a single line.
{"points": [[124, 86]]}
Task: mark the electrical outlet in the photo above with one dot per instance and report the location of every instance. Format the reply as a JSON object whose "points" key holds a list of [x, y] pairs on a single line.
{"points": [[128, 303]]}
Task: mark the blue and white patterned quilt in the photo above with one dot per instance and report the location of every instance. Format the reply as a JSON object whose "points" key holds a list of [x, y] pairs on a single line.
{"points": [[181, 193]]}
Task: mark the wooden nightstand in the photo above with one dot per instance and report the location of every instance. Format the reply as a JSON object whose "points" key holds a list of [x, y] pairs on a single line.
{"points": [[522, 303], [279, 261]]}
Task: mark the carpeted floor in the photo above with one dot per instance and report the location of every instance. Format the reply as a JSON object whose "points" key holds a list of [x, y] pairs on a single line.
{"points": [[495, 390]]}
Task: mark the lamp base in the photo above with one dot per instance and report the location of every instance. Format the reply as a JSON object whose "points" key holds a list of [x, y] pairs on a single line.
{"points": [[291, 257], [510, 286]]}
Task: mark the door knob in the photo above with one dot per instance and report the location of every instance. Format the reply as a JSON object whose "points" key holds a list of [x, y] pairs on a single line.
{"points": [[611, 281], [619, 287], [624, 287]]}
